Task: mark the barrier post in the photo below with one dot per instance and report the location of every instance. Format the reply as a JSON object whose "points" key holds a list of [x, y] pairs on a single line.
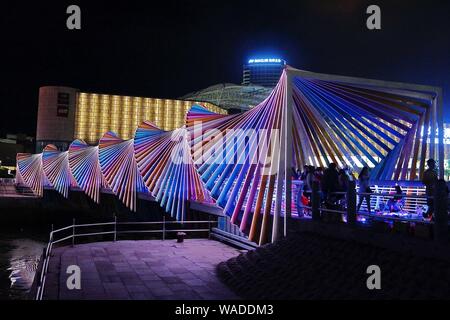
{"points": [[440, 200], [315, 201], [209, 227], [164, 227], [351, 203], [115, 228], [73, 232]]}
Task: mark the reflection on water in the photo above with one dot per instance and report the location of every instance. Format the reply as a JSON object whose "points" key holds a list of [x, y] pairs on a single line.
{"points": [[19, 259]]}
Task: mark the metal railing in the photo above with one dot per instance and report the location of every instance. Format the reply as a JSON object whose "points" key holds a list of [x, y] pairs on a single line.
{"points": [[347, 205], [8, 181], [53, 240]]}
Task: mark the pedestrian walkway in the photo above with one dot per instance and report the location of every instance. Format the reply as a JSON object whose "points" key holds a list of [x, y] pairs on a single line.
{"points": [[141, 270]]}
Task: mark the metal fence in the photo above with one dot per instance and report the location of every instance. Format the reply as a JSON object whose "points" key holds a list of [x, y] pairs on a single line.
{"points": [[345, 208], [7, 181], [118, 228]]}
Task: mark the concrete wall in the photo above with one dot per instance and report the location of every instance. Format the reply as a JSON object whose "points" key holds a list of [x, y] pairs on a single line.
{"points": [[52, 208], [56, 117]]}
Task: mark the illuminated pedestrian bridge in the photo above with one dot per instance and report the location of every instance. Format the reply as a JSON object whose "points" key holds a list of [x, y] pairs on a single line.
{"points": [[308, 119]]}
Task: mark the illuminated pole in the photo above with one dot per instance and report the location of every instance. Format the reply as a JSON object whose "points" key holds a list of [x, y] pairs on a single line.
{"points": [[433, 127], [288, 148], [284, 163], [437, 101], [278, 158]]}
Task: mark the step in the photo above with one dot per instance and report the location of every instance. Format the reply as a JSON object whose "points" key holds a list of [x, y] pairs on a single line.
{"points": [[238, 241]]}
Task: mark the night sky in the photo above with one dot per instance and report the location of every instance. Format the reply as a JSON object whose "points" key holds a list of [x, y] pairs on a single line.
{"points": [[170, 49]]}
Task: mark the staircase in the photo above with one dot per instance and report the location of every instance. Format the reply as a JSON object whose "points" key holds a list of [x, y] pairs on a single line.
{"points": [[230, 233], [24, 191]]}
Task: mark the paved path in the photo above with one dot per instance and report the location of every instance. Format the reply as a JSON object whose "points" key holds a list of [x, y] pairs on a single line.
{"points": [[141, 270]]}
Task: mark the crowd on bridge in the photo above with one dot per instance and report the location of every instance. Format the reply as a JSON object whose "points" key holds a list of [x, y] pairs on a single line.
{"points": [[333, 184]]}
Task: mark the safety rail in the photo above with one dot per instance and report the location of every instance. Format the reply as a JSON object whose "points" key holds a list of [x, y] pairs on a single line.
{"points": [[8, 181], [42, 275], [346, 205], [323, 209]]}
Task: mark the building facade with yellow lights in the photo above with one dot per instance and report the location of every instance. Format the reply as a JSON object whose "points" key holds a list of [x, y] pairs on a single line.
{"points": [[66, 114]]}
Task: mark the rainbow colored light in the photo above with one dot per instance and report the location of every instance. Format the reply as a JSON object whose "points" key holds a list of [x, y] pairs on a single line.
{"points": [[85, 168], [164, 162], [30, 172], [116, 158], [308, 118], [56, 168]]}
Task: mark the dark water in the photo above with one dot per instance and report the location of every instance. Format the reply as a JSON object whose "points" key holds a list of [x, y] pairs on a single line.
{"points": [[19, 257]]}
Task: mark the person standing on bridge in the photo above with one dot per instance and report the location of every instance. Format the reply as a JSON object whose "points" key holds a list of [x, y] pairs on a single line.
{"points": [[330, 183], [429, 179], [364, 187]]}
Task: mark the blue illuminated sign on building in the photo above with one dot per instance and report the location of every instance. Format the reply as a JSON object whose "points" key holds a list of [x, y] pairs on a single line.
{"points": [[266, 60], [263, 71]]}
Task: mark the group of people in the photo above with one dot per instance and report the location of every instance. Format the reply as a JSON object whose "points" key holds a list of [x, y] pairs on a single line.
{"points": [[329, 180], [333, 183]]}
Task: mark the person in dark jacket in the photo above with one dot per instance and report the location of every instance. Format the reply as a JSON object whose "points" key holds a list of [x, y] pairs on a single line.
{"points": [[330, 181], [429, 179], [364, 187]]}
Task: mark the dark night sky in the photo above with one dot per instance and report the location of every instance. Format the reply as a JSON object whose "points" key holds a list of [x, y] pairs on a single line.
{"points": [[138, 48]]}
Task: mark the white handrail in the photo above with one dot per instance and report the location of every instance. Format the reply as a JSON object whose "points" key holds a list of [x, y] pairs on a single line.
{"points": [[74, 235]]}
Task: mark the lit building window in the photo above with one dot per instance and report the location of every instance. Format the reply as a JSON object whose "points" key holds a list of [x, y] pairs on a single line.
{"points": [[98, 114]]}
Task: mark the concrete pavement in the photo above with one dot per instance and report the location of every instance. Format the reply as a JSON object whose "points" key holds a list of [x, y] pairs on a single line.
{"points": [[141, 270]]}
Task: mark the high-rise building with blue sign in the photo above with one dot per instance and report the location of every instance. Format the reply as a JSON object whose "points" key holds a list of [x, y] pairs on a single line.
{"points": [[264, 72]]}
